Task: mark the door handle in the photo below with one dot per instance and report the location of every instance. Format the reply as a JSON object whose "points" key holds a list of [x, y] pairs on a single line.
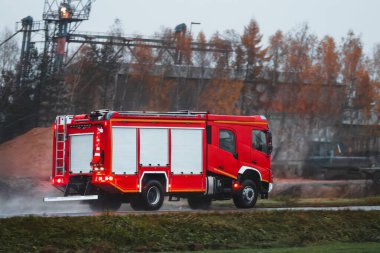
{"points": [[221, 167], [254, 161]]}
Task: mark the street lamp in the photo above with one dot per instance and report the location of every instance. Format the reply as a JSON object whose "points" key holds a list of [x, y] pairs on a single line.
{"points": [[193, 23]]}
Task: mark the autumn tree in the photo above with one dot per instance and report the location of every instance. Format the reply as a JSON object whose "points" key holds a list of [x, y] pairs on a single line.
{"points": [[200, 57], [84, 80], [331, 97], [255, 57], [298, 61], [220, 55], [202, 60], [277, 52], [374, 69], [299, 49], [91, 77], [351, 57], [255, 54], [274, 69], [183, 45], [364, 91], [330, 66], [351, 61], [165, 56], [238, 63], [355, 75]]}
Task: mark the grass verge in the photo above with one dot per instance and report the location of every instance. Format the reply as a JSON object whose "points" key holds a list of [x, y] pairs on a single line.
{"points": [[187, 231], [285, 201], [327, 248]]}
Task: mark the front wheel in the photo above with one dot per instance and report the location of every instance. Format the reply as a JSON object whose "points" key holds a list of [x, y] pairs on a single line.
{"points": [[152, 195], [246, 195]]}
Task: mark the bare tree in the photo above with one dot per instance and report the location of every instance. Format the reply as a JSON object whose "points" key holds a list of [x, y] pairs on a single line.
{"points": [[9, 52]]}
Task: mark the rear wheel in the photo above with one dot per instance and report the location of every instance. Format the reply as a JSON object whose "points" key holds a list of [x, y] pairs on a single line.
{"points": [[152, 195], [246, 195], [199, 202]]}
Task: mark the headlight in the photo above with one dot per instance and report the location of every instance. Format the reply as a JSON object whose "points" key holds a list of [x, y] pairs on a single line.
{"points": [[270, 187]]}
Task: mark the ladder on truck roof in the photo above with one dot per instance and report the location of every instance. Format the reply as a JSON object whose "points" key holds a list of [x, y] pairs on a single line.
{"points": [[186, 113], [60, 145]]}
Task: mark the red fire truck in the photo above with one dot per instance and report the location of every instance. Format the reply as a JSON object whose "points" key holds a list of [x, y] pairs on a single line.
{"points": [[110, 158]]}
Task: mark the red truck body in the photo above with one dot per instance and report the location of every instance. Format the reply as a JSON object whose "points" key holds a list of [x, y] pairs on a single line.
{"points": [[139, 157]]}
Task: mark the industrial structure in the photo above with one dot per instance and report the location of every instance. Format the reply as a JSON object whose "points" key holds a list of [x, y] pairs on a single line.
{"points": [[61, 19]]}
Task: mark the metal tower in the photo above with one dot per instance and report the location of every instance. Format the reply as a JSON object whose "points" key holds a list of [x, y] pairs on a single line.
{"points": [[62, 18]]}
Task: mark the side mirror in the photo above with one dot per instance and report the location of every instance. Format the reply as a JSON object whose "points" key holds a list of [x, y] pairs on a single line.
{"points": [[269, 142]]}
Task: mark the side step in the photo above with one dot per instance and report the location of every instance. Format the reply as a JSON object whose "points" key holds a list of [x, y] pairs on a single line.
{"points": [[70, 198], [174, 198]]}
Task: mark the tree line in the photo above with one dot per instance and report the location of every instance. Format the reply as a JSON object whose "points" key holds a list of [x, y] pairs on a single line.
{"points": [[294, 72]]}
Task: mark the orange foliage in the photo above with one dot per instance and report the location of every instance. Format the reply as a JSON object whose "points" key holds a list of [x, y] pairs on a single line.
{"points": [[352, 55], [255, 55], [220, 59], [200, 57], [330, 62], [276, 52], [183, 46], [144, 60], [221, 96], [158, 90], [364, 92], [297, 57]]}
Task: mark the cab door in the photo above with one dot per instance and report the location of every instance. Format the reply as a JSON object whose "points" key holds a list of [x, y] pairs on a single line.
{"points": [[260, 151], [228, 153]]}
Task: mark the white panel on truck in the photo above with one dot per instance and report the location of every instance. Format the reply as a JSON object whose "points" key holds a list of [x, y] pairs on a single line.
{"points": [[154, 146], [81, 152], [187, 151], [124, 150]]}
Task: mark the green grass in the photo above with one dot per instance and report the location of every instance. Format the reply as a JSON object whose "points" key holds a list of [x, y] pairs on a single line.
{"points": [[187, 231], [306, 202], [328, 248]]}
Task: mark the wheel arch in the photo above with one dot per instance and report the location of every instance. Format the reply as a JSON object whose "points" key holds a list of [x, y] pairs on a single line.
{"points": [[246, 172], [160, 176]]}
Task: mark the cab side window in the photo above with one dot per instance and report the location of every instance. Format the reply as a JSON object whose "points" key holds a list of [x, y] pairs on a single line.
{"points": [[259, 141], [227, 141]]}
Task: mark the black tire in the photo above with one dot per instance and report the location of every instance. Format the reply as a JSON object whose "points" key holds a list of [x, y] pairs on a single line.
{"points": [[105, 203], [246, 195], [136, 203], [152, 195], [376, 178], [199, 202]]}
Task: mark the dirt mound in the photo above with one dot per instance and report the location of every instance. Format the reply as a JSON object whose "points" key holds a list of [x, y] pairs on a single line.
{"points": [[28, 155]]}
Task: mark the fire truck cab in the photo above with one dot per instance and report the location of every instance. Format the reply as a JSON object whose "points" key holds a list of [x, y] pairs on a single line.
{"points": [[110, 158]]}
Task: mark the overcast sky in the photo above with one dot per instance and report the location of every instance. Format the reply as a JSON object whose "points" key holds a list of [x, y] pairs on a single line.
{"points": [[332, 17]]}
